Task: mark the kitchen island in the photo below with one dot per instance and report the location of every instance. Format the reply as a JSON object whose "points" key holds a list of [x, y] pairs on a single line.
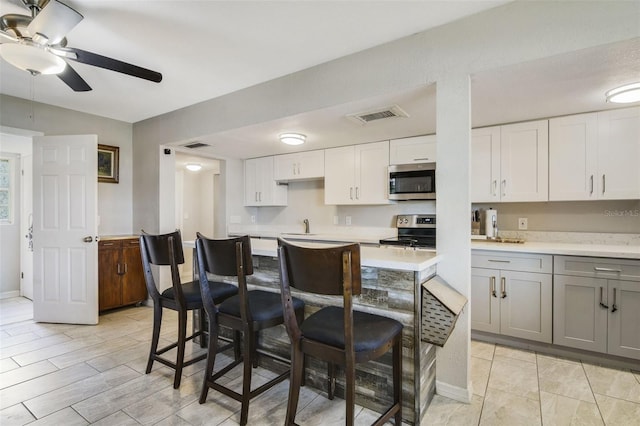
{"points": [[391, 286]]}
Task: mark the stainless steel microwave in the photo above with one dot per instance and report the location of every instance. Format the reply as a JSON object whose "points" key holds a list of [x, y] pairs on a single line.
{"points": [[412, 181]]}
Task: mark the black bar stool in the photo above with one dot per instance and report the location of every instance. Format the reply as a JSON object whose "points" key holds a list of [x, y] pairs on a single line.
{"points": [[247, 312], [166, 250], [335, 334]]}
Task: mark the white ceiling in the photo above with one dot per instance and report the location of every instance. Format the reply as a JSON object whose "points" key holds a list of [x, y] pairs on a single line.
{"points": [[211, 48], [206, 49]]}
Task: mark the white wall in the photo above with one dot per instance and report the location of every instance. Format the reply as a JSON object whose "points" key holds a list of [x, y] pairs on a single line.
{"points": [[516, 32], [114, 200]]}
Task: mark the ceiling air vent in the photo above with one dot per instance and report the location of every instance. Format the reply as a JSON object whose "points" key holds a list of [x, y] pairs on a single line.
{"points": [[194, 145], [377, 114]]}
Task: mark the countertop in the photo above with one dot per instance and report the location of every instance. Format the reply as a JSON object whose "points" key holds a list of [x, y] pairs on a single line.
{"points": [[569, 249], [363, 235], [379, 257]]}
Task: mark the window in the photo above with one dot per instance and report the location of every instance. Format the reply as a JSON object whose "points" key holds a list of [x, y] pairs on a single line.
{"points": [[6, 195]]}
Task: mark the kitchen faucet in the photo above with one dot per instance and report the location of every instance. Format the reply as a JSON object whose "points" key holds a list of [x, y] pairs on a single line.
{"points": [[306, 226]]}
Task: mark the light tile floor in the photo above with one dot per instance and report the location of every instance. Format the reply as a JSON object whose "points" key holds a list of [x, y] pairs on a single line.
{"points": [[53, 374], [517, 387]]}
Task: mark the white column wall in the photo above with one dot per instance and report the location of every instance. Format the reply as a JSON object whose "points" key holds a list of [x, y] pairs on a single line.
{"points": [[453, 121]]}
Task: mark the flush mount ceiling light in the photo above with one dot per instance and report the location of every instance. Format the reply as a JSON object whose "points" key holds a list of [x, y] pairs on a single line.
{"points": [[33, 58], [194, 167], [624, 94], [292, 138]]}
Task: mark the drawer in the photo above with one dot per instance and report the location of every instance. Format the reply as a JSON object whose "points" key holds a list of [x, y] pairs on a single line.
{"points": [[598, 267], [525, 262]]}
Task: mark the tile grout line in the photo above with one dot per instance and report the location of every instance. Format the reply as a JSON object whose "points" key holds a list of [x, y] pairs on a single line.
{"points": [[593, 393]]}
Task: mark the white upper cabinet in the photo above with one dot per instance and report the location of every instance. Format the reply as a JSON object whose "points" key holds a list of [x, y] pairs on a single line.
{"points": [[418, 149], [260, 188], [619, 154], [299, 166], [357, 174], [524, 161], [510, 163], [573, 142], [485, 164], [595, 156]]}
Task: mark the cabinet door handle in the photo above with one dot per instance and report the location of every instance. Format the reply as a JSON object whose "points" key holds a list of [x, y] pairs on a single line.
{"points": [[614, 307], [351, 192], [503, 287], [493, 287], [591, 191], [357, 193], [599, 269], [421, 159], [602, 304], [604, 183], [495, 187], [499, 261], [504, 187]]}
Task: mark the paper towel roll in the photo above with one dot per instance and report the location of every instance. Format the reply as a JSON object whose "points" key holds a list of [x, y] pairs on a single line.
{"points": [[490, 223]]}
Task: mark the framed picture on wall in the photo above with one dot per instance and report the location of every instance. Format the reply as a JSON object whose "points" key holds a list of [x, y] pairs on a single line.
{"points": [[108, 163]]}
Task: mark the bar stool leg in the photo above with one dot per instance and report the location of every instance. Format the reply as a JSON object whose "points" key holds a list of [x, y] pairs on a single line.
{"points": [[349, 391], [157, 322], [331, 374], [182, 335], [211, 359], [397, 379], [295, 379], [246, 379]]}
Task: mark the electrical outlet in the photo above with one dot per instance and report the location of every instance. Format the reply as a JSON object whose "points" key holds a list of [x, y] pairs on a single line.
{"points": [[347, 220], [523, 223], [336, 220], [253, 219]]}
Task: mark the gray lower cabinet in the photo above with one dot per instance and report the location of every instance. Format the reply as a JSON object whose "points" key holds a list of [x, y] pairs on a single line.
{"points": [[597, 304], [511, 294]]}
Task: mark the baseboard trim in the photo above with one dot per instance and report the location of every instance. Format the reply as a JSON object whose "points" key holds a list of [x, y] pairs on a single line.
{"points": [[454, 392], [9, 294]]}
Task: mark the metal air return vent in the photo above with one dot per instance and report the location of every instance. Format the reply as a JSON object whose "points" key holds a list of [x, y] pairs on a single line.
{"points": [[377, 114], [194, 145]]}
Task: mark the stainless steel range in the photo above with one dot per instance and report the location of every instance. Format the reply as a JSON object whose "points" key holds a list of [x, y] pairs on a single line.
{"points": [[414, 230]]}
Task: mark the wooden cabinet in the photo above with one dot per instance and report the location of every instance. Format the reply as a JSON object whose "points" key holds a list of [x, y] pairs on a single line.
{"points": [[595, 156], [357, 174], [511, 294], [120, 275], [260, 187], [299, 166], [597, 304], [417, 149], [510, 163]]}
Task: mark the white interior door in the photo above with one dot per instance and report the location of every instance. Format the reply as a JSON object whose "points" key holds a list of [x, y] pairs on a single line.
{"points": [[65, 226], [26, 228]]}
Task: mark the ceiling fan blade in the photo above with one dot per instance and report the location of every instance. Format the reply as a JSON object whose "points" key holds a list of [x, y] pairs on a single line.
{"points": [[73, 80], [113, 64], [54, 21], [4, 37]]}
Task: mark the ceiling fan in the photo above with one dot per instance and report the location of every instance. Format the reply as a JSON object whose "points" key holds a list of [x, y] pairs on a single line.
{"points": [[38, 44]]}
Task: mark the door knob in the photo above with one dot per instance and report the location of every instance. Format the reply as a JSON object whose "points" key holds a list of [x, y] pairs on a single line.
{"points": [[88, 239]]}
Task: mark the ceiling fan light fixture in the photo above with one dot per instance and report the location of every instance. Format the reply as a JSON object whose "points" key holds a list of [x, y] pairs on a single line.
{"points": [[194, 167], [292, 138], [32, 58], [626, 94]]}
